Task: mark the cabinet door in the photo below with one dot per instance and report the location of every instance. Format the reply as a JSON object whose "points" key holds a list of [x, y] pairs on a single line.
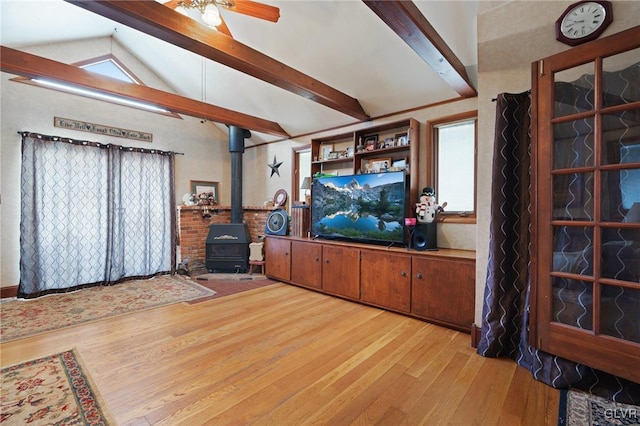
{"points": [[386, 280], [278, 258], [341, 271], [443, 290], [306, 265]]}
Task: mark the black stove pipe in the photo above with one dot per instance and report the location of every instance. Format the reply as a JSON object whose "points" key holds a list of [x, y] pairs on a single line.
{"points": [[237, 135]]}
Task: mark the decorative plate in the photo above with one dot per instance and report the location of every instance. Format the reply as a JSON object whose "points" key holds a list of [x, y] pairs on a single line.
{"points": [[280, 199]]}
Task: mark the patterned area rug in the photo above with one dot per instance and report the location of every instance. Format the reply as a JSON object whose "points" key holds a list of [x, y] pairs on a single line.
{"points": [[54, 390], [24, 318], [582, 409]]}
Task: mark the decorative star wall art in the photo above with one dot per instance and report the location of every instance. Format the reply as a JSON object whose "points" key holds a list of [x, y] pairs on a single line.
{"points": [[275, 167]]}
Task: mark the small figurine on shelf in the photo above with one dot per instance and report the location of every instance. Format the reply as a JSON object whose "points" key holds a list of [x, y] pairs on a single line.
{"points": [[427, 208]]}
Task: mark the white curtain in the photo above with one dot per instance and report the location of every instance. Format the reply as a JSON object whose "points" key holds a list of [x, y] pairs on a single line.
{"points": [[93, 214]]}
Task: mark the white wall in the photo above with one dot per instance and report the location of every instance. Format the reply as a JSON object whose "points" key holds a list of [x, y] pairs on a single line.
{"points": [[29, 108]]}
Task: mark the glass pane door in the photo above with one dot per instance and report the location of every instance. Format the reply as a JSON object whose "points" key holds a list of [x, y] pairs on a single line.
{"points": [[588, 218]]}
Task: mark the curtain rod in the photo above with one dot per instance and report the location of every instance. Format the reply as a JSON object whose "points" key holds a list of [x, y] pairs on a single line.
{"points": [[97, 144], [526, 91]]}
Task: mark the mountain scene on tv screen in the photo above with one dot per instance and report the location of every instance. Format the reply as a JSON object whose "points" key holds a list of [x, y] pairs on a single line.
{"points": [[366, 207]]}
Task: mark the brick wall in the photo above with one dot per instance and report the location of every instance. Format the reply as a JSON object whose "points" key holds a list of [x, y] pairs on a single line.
{"points": [[193, 228]]}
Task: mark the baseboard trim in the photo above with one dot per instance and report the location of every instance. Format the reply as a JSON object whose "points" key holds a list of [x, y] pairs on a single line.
{"points": [[9, 291], [475, 336]]}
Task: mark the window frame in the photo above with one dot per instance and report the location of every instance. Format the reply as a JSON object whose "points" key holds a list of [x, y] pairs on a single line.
{"points": [[432, 163]]}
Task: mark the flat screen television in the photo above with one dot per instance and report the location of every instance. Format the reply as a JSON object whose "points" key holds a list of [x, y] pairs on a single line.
{"points": [[365, 208]]}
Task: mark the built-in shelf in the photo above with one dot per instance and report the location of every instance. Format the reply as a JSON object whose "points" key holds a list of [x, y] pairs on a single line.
{"points": [[404, 134]]}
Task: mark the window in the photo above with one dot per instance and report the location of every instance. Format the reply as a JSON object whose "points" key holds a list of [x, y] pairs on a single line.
{"points": [[301, 170], [110, 67], [451, 166]]}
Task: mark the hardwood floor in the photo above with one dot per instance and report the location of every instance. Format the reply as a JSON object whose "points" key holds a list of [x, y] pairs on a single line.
{"points": [[282, 355]]}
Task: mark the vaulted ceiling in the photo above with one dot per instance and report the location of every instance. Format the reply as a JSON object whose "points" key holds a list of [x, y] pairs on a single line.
{"points": [[324, 64]]}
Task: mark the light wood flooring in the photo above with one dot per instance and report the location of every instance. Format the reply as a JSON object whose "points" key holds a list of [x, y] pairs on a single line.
{"points": [[282, 355]]}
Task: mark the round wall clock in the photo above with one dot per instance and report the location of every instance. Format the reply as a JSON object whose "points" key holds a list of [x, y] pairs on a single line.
{"points": [[583, 21]]}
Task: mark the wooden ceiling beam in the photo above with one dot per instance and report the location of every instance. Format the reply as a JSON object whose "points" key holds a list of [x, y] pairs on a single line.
{"points": [[31, 66], [154, 19], [406, 20]]}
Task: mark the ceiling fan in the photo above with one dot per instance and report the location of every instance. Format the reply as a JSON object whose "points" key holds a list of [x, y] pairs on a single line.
{"points": [[210, 15]]}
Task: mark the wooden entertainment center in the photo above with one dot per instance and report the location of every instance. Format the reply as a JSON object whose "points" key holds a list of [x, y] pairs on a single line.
{"points": [[435, 286]]}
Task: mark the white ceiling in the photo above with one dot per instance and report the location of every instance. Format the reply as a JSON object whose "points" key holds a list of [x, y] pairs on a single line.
{"points": [[340, 43]]}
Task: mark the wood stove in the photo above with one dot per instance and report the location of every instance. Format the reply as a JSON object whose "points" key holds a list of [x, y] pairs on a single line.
{"points": [[227, 248]]}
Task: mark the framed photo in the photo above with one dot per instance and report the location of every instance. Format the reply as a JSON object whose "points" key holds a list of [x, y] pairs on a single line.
{"points": [[349, 152], [401, 164], [379, 165], [326, 151], [202, 186], [401, 139], [371, 142]]}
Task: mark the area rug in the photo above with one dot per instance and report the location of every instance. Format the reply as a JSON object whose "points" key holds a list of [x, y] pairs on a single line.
{"points": [[54, 390], [24, 318], [230, 277], [583, 409]]}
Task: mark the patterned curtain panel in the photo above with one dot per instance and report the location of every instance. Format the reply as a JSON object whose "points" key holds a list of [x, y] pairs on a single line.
{"points": [[505, 317], [93, 214], [508, 267]]}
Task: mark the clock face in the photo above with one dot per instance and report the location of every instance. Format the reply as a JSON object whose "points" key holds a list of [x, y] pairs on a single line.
{"points": [[583, 20]]}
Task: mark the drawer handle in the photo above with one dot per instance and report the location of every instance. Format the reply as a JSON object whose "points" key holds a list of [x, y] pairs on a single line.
{"points": [[419, 275], [326, 261], [403, 273], [317, 259]]}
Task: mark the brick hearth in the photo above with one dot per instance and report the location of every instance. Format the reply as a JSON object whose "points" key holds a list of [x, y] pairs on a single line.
{"points": [[193, 228]]}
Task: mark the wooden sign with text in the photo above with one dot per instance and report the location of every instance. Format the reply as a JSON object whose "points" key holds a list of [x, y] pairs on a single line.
{"points": [[100, 129]]}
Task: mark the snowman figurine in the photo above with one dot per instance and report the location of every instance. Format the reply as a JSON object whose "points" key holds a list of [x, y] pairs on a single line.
{"points": [[427, 208]]}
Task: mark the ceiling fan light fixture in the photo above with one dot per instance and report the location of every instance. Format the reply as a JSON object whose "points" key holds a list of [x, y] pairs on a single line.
{"points": [[211, 15]]}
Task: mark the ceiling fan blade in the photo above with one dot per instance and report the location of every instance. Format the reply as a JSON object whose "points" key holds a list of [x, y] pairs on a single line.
{"points": [[257, 10]]}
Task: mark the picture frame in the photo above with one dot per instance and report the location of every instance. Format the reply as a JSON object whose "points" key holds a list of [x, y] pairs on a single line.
{"points": [[370, 142], [402, 139], [380, 165], [401, 164], [204, 186], [325, 152]]}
